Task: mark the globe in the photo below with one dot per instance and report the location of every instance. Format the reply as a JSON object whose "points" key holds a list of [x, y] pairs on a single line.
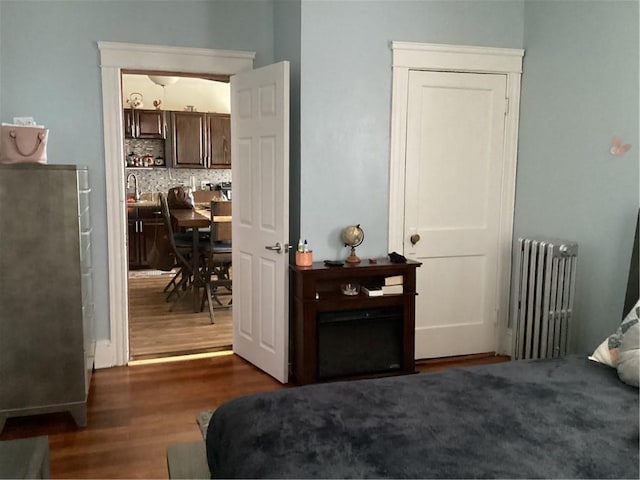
{"points": [[352, 236]]}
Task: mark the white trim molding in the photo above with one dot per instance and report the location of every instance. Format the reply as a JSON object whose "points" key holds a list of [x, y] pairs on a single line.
{"points": [[430, 56], [113, 58], [173, 59], [409, 56]]}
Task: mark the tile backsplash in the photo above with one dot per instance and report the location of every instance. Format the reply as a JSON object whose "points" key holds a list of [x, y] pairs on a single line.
{"points": [[161, 179], [140, 147]]}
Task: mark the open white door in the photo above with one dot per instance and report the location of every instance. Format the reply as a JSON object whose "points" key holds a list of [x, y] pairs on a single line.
{"points": [[260, 171]]}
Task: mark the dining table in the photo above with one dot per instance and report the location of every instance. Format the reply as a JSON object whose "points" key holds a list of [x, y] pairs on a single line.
{"points": [[195, 219]]}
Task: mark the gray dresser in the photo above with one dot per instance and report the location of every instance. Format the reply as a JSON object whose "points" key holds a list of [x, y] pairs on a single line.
{"points": [[47, 339]]}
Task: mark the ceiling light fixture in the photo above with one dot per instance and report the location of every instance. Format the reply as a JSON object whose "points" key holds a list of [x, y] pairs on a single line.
{"points": [[163, 81]]}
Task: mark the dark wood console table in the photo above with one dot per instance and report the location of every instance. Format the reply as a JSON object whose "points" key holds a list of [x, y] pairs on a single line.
{"points": [[359, 328]]}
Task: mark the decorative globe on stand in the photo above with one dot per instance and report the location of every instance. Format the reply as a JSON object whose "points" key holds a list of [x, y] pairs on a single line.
{"points": [[352, 236]]}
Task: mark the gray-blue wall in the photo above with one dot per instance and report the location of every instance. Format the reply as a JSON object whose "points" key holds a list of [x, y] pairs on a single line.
{"points": [[50, 70], [287, 26], [346, 102], [579, 89]]}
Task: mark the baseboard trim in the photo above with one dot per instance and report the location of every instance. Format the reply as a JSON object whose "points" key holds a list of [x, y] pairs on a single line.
{"points": [[105, 354]]}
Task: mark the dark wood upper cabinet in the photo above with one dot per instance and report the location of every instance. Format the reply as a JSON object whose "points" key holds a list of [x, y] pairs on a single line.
{"points": [[144, 124], [129, 127], [195, 139], [189, 139], [220, 140], [200, 140], [151, 124]]}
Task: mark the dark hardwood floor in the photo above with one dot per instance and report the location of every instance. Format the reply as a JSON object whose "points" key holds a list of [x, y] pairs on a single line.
{"points": [[135, 412]]}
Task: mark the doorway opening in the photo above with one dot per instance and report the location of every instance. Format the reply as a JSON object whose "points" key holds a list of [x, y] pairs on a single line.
{"points": [[112, 347], [170, 140]]}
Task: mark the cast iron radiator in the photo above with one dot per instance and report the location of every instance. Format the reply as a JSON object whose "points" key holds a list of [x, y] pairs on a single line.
{"points": [[542, 297]]}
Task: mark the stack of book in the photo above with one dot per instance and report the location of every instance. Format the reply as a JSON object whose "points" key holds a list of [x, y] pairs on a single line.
{"points": [[392, 285], [371, 290]]}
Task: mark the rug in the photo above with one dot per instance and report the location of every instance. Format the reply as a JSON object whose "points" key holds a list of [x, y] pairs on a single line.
{"points": [[187, 460], [150, 273], [203, 419]]}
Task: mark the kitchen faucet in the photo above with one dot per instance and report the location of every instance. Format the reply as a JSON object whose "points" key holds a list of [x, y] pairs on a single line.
{"points": [[135, 185]]}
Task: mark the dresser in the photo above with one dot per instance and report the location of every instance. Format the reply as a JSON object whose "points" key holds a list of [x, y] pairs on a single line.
{"points": [[47, 339]]}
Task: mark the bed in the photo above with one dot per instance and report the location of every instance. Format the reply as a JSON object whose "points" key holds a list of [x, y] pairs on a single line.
{"points": [[555, 418]]}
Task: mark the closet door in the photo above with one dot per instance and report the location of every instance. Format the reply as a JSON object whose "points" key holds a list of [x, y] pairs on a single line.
{"points": [[454, 168]]}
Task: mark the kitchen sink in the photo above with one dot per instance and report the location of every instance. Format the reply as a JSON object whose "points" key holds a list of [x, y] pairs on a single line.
{"points": [[146, 200]]}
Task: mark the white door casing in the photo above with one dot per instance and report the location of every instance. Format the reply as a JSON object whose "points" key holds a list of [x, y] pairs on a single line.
{"points": [[408, 57], [260, 170], [455, 127], [114, 57]]}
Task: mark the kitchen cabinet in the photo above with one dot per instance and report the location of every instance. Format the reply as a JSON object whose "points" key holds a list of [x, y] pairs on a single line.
{"points": [[144, 227], [47, 333], [133, 239], [200, 140], [144, 123], [189, 139], [342, 336], [219, 140]]}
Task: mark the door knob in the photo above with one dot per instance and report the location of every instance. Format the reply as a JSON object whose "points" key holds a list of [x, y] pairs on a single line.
{"points": [[415, 238], [277, 247]]}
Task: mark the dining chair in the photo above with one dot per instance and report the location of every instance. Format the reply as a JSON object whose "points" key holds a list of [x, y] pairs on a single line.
{"points": [[182, 248], [217, 270]]}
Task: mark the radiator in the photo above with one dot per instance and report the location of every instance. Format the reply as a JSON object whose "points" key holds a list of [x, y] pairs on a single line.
{"points": [[542, 297]]}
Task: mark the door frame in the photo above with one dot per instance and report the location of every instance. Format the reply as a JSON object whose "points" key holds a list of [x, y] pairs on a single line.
{"points": [[114, 57], [409, 56]]}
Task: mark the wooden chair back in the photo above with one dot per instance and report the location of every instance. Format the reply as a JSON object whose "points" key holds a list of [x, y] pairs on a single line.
{"points": [[166, 217], [221, 230]]}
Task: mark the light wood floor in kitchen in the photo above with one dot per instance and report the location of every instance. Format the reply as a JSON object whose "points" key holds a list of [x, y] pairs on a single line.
{"points": [[155, 332]]}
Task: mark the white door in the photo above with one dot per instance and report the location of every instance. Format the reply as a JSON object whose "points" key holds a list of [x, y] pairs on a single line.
{"points": [[260, 171], [454, 168]]}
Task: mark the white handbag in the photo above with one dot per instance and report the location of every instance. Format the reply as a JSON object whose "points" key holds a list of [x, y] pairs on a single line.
{"points": [[23, 144]]}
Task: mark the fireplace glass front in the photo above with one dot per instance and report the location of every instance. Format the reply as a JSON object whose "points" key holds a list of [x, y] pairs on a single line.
{"points": [[359, 342]]}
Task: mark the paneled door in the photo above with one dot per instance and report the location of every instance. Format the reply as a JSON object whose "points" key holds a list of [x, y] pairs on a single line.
{"points": [[454, 168], [260, 169]]}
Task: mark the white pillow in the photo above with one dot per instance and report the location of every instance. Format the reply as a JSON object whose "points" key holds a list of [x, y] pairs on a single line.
{"points": [[607, 351], [601, 354], [629, 356]]}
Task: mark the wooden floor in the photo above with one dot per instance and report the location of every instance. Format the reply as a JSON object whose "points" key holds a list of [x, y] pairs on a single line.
{"points": [[154, 331], [135, 412]]}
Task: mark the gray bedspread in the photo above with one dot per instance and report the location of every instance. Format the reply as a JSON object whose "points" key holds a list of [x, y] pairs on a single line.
{"points": [[560, 418]]}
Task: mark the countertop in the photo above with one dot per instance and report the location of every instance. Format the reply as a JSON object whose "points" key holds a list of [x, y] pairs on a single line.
{"points": [[144, 203]]}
